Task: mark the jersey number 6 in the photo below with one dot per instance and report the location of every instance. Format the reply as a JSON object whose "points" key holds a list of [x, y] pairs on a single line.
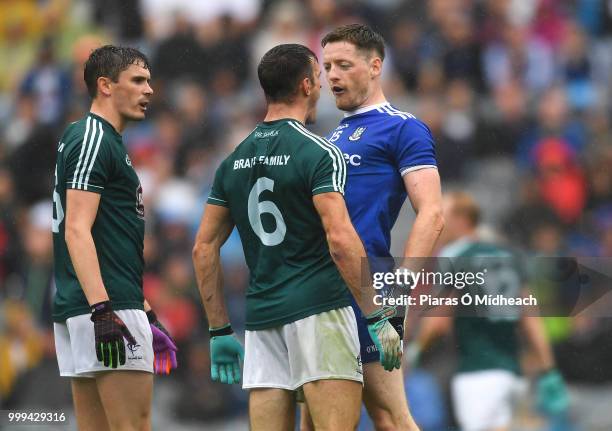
{"points": [[257, 209]]}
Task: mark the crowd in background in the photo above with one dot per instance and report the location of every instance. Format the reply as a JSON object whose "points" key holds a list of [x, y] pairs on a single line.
{"points": [[516, 93]]}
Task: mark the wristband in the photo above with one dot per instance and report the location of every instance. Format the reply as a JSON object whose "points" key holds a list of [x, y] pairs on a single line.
{"points": [[101, 307], [223, 330]]}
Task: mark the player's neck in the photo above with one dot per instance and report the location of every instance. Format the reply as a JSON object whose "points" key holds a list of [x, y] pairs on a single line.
{"points": [[277, 111], [109, 114], [376, 98]]}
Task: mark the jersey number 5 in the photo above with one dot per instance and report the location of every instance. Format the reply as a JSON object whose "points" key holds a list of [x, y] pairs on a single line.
{"points": [[257, 209]]}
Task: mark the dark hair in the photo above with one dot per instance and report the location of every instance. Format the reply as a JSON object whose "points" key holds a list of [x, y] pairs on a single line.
{"points": [[282, 68], [109, 61], [360, 35]]}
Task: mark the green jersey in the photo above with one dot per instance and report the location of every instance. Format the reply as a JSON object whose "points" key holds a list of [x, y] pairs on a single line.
{"points": [[268, 184], [91, 157], [488, 340]]}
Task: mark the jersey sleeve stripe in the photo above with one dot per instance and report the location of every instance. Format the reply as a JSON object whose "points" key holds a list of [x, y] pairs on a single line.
{"points": [[392, 109], [399, 114], [322, 187], [89, 185], [341, 178], [330, 152], [404, 171], [78, 166], [95, 154], [335, 149], [92, 137], [217, 199]]}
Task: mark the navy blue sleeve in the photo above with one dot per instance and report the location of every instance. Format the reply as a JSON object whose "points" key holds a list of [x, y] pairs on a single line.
{"points": [[414, 147]]}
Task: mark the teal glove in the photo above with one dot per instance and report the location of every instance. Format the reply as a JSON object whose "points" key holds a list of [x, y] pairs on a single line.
{"points": [[385, 337], [551, 397], [226, 352]]}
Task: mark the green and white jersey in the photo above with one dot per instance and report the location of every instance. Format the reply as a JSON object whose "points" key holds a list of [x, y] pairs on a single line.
{"points": [[268, 184], [487, 340], [91, 157]]}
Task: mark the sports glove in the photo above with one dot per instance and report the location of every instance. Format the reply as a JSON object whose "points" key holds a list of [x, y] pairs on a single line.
{"points": [[109, 332], [164, 348], [385, 337], [226, 352], [551, 394]]}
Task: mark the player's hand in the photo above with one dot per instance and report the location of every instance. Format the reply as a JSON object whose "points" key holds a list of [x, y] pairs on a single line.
{"points": [[551, 394], [385, 337], [226, 352], [164, 347], [109, 332]]}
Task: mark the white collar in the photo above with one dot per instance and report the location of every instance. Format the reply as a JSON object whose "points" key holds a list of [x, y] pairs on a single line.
{"points": [[364, 109]]}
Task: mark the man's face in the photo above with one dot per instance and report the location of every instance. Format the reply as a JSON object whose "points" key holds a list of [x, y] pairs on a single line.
{"points": [[315, 93], [348, 74], [131, 92]]}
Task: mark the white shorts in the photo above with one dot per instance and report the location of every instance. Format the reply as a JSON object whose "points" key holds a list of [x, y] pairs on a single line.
{"points": [[319, 347], [483, 400], [75, 346]]}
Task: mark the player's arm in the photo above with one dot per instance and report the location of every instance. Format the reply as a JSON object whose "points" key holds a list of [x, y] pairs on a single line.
{"points": [[348, 253], [81, 210], [551, 394], [533, 329], [215, 228], [225, 350], [424, 191], [345, 247], [109, 329]]}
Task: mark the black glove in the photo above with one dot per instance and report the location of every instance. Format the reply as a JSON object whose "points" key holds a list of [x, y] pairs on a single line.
{"points": [[398, 323], [109, 332]]}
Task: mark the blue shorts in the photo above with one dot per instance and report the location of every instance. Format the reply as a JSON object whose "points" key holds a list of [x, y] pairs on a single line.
{"points": [[369, 352]]}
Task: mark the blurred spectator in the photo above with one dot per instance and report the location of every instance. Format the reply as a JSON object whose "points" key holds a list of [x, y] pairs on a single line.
{"points": [[459, 129], [37, 269], [168, 65], [560, 179], [507, 123], [461, 52], [20, 349], [518, 56], [122, 17], [576, 68], [36, 156], [406, 40], [553, 121], [48, 83], [10, 252]]}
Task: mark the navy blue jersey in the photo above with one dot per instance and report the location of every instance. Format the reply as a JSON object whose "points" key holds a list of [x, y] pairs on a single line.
{"points": [[380, 145]]}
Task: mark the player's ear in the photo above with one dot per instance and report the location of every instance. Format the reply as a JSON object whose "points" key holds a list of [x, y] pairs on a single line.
{"points": [[375, 66], [306, 86], [104, 85]]}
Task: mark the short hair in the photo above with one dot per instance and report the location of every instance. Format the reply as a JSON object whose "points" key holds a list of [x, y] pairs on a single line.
{"points": [[360, 35], [465, 205], [109, 61], [282, 68]]}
